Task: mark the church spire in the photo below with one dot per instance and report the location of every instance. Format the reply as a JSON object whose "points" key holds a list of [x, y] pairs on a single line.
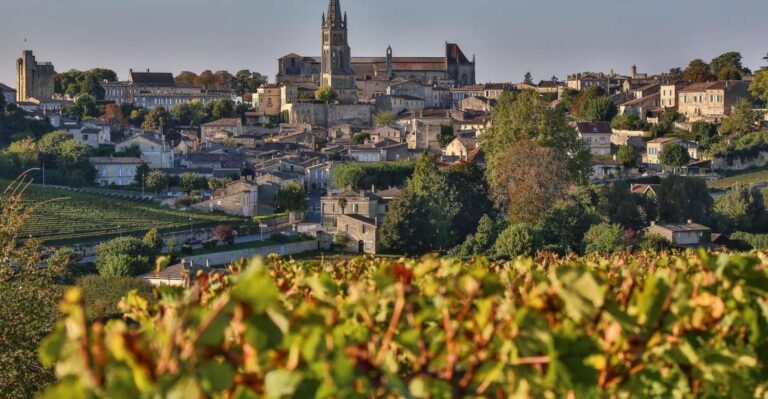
{"points": [[334, 13]]}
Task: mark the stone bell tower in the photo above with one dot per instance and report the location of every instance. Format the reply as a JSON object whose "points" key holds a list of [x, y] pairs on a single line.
{"points": [[336, 71]]}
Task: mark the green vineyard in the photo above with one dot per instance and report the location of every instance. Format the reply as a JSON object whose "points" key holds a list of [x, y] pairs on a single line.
{"points": [[639, 325], [72, 216], [746, 179]]}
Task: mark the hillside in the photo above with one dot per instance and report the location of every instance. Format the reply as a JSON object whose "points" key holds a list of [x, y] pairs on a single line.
{"points": [[631, 325], [76, 216]]}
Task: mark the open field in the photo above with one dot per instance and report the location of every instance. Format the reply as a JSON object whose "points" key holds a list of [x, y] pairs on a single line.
{"points": [[74, 217]]}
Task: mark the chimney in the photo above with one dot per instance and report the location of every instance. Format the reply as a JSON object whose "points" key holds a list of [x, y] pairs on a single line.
{"points": [[690, 221], [373, 188], [147, 70]]}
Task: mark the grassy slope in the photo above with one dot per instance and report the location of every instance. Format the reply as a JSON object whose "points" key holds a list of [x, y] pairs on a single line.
{"points": [[749, 178], [81, 217]]}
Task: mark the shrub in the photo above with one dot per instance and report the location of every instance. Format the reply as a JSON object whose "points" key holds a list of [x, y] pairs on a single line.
{"points": [[517, 240], [123, 256], [604, 238], [210, 244], [655, 243], [750, 241], [153, 241], [186, 249], [225, 233]]}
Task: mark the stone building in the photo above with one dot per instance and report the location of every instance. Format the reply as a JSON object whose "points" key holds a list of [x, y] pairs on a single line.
{"points": [[239, 198], [335, 68], [453, 68], [711, 101], [33, 79], [157, 89], [8, 93]]}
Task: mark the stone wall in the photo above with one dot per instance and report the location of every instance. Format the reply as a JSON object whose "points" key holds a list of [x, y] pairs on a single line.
{"points": [[736, 163], [223, 258], [325, 115]]}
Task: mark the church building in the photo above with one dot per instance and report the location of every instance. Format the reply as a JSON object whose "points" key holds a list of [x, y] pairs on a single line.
{"points": [[338, 69]]}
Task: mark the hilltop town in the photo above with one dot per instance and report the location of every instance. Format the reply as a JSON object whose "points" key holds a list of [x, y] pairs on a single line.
{"points": [[334, 145], [417, 232]]}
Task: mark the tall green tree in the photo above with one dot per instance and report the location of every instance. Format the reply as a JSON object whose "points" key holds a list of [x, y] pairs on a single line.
{"points": [[291, 198], [157, 119], [156, 180], [742, 120], [441, 198], [248, 82], [617, 204], [626, 156], [759, 86], [742, 209], [684, 198], [406, 228], [517, 240], [698, 71], [223, 109], [528, 79], [325, 94], [526, 116], [604, 238], [598, 109], [731, 59], [674, 156]]}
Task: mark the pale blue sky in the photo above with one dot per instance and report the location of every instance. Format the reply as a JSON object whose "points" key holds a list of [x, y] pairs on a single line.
{"points": [[509, 37]]}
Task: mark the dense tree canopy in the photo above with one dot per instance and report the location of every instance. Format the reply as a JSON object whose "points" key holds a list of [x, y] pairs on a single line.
{"points": [[74, 83], [698, 71], [742, 120], [526, 116], [730, 62], [684, 198], [759, 86], [367, 175], [674, 156]]}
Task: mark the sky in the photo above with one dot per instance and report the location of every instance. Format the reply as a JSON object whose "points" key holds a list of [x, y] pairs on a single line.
{"points": [[508, 37]]}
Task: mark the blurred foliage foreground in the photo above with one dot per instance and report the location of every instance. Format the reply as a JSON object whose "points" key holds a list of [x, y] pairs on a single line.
{"points": [[640, 325]]}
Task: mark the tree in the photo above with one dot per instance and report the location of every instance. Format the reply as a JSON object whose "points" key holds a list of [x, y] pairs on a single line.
{"points": [[216, 183], [684, 198], [248, 82], [142, 171], [325, 94], [626, 156], [533, 179], [291, 198], [674, 156], [742, 120], [563, 227], [157, 119], [360, 138], [406, 227], [364, 175], [729, 73], [83, 108], [617, 204], [113, 114], [528, 79], [698, 71], [189, 182], [123, 256], [472, 196], [604, 238], [627, 121], [225, 233], [441, 199], [446, 135], [156, 180], [703, 131], [759, 86], [519, 239], [223, 109], [482, 241], [654, 243], [527, 117], [598, 109], [153, 241], [730, 60], [741, 209], [384, 118]]}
